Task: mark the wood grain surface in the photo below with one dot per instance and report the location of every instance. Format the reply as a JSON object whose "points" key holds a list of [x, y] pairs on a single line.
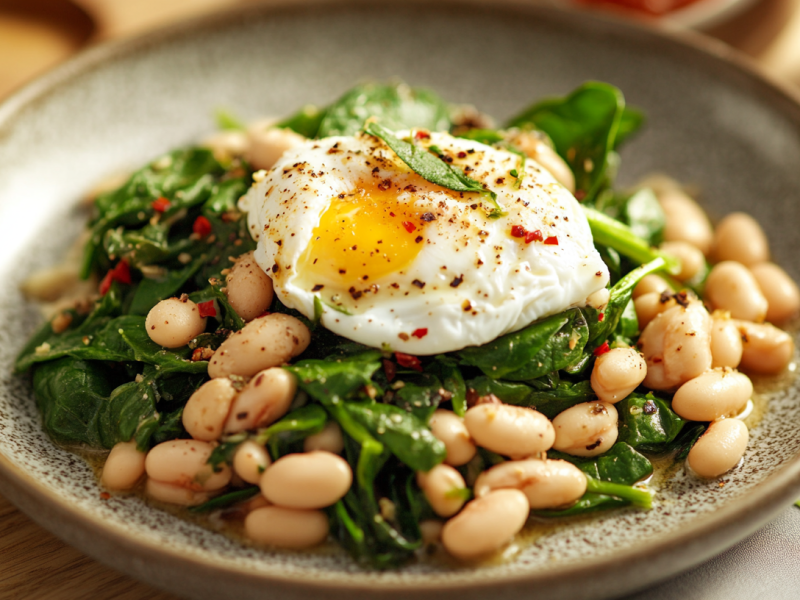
{"points": [[33, 563]]}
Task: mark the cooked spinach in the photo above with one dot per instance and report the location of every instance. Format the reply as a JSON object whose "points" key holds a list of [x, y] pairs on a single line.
{"points": [[547, 345], [648, 422]]}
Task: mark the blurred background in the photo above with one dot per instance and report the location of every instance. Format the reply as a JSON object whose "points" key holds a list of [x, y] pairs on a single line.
{"points": [[38, 34]]}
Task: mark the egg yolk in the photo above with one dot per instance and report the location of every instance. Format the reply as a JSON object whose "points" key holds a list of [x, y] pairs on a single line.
{"points": [[362, 237]]}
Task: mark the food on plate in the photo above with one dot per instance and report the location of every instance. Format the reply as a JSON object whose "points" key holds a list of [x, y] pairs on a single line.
{"points": [[392, 324]]}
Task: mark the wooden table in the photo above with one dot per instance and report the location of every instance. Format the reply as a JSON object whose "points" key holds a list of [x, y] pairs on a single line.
{"points": [[33, 563]]}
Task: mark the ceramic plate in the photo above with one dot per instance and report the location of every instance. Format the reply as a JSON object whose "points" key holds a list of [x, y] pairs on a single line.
{"points": [[711, 123]]}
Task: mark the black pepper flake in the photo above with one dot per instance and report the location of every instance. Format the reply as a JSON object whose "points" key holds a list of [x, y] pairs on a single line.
{"points": [[317, 287], [428, 217], [500, 180], [462, 154], [649, 407], [384, 185], [342, 271], [457, 281], [418, 283], [595, 444], [279, 242], [473, 206], [275, 268], [410, 188], [356, 294], [376, 170], [418, 239]]}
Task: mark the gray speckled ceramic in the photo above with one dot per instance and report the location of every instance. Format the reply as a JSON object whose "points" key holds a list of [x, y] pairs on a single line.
{"points": [[712, 123]]}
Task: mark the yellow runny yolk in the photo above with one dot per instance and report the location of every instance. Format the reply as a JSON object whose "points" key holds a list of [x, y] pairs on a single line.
{"points": [[360, 238]]}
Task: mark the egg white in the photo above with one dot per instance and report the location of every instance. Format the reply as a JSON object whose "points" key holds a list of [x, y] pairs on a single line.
{"points": [[478, 280]]}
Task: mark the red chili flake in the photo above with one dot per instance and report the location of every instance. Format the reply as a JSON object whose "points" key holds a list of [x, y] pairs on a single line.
{"points": [[207, 309], [391, 214], [600, 317], [551, 241], [518, 231], [201, 226], [390, 369], [409, 226], [105, 496], [602, 349], [533, 236], [580, 195], [121, 273], [420, 333], [422, 135], [408, 361], [161, 204]]}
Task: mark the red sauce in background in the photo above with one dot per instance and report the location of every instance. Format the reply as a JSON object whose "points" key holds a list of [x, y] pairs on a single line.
{"points": [[654, 8]]}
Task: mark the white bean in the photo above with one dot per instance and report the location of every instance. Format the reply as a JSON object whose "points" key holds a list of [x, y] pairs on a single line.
{"points": [[486, 524], [726, 341], [649, 284], [539, 150], [739, 237], [330, 439], [714, 394], [599, 299], [265, 342], [207, 409], [225, 145], [250, 461], [692, 259], [782, 294], [174, 322], [586, 429], [264, 400], [444, 489], [731, 286], [174, 494], [184, 463], [267, 145], [617, 373], [513, 431], [677, 346], [546, 483], [431, 531], [686, 221], [765, 348], [248, 288], [124, 467], [286, 527], [309, 480], [450, 429], [719, 449]]}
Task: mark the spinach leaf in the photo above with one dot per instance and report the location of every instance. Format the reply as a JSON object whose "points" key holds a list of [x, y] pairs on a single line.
{"points": [[446, 368], [123, 339], [330, 382], [430, 167], [185, 177], [407, 436], [615, 234], [549, 402], [396, 106], [158, 428], [70, 395], [306, 121], [631, 121], [621, 464], [229, 319], [226, 500], [293, 427], [590, 502], [420, 394], [645, 217], [648, 422], [546, 345], [583, 127], [151, 291]]}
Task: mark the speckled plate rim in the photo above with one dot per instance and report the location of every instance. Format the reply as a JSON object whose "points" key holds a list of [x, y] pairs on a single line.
{"points": [[640, 566]]}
